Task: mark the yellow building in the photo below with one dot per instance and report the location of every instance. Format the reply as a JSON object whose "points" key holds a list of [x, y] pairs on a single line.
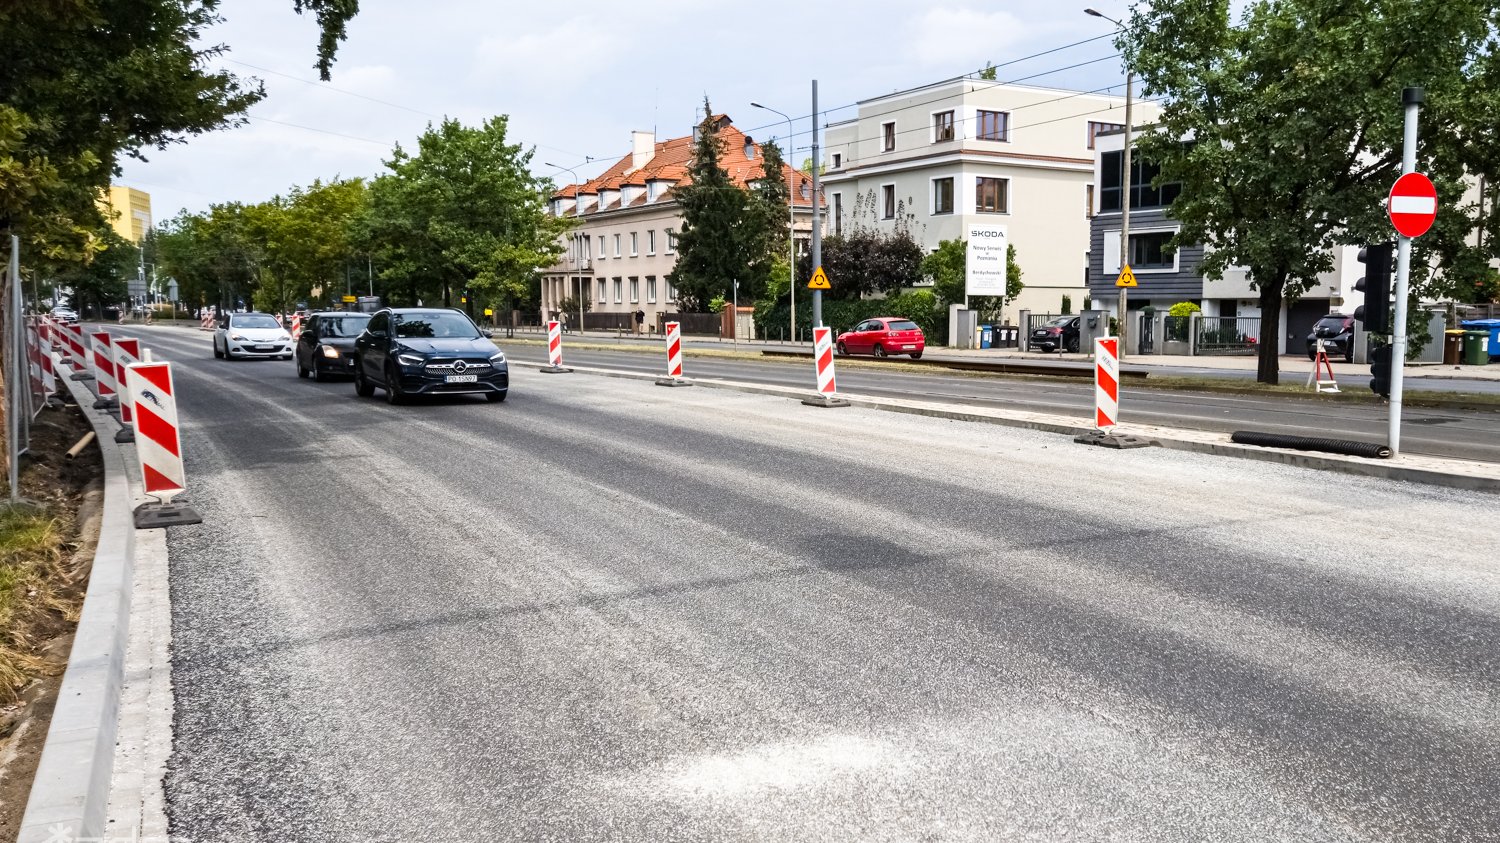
{"points": [[129, 212]]}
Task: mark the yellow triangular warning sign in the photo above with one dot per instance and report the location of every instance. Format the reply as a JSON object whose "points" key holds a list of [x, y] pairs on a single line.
{"points": [[819, 280], [1127, 278]]}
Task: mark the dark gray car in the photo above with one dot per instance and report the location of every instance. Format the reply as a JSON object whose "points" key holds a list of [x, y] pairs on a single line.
{"points": [[325, 347]]}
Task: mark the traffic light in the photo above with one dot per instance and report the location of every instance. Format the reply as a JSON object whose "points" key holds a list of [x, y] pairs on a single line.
{"points": [[1380, 370], [1375, 313]]}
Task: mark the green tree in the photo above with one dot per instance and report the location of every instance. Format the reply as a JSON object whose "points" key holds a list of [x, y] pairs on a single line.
{"points": [[103, 281], [721, 241], [869, 257], [772, 205], [1295, 123], [462, 214]]}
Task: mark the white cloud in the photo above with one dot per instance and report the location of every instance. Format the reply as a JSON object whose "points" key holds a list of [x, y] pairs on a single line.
{"points": [[565, 55], [964, 39]]}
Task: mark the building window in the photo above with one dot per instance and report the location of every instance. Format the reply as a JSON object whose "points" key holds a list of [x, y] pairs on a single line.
{"points": [[633, 244], [617, 245], [942, 126], [635, 289], [603, 292], [1142, 193], [942, 195], [838, 213], [838, 160], [1150, 251], [1095, 128], [992, 196], [1088, 206], [671, 243], [651, 243], [650, 289], [671, 293], [602, 254], [994, 125], [888, 136], [888, 201], [619, 291]]}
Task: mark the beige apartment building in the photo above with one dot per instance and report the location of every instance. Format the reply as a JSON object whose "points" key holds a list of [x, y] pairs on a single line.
{"points": [[967, 151], [624, 247]]}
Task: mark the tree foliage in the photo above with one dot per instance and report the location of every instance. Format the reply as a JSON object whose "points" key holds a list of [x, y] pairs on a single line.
{"points": [[1293, 124], [947, 266], [868, 257]]}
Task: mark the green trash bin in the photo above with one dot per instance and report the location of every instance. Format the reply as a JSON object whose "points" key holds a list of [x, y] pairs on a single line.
{"points": [[1475, 351]]}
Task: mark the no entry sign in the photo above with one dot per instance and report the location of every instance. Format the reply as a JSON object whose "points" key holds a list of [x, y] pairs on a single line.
{"points": [[1412, 204]]}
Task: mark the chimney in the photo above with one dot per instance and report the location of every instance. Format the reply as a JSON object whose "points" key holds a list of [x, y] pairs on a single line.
{"points": [[642, 149]]}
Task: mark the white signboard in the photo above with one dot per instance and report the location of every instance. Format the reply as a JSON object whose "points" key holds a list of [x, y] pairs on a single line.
{"points": [[985, 260]]}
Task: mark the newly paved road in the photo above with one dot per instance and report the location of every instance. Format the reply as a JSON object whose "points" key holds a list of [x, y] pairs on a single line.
{"points": [[1457, 433], [609, 611]]}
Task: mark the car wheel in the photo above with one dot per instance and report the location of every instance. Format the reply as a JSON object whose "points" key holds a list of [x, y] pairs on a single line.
{"points": [[1312, 354], [495, 397], [393, 393], [362, 386], [916, 355], [844, 352], [218, 355], [1073, 346], [302, 372], [316, 373], [879, 350]]}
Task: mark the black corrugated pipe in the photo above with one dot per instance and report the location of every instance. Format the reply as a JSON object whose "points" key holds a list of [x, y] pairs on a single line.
{"points": [[1311, 443]]}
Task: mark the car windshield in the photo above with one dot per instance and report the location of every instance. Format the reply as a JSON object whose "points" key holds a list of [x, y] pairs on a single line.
{"points": [[1060, 322], [904, 325], [255, 321], [438, 325], [345, 326], [1330, 323]]}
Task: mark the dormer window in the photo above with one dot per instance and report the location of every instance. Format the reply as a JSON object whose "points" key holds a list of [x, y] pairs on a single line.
{"points": [[749, 149], [838, 160], [806, 191]]}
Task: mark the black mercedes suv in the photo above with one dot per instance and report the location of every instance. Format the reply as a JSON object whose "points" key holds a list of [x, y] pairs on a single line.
{"points": [[411, 351]]}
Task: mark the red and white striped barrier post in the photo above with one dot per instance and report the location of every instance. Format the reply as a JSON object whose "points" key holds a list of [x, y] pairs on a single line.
{"points": [[158, 445], [1106, 383], [127, 353], [554, 349], [78, 352], [49, 371], [104, 370], [296, 326], [823, 360], [674, 358]]}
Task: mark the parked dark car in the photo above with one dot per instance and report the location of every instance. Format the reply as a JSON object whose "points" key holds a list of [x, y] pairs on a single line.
{"points": [[884, 336], [411, 351], [1337, 333], [1060, 334], [325, 347]]}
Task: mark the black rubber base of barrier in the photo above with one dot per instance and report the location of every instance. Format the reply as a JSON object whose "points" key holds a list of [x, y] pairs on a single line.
{"points": [[1117, 441], [105, 404], [149, 516], [673, 382], [81, 376], [1347, 447], [124, 435], [825, 401], [554, 370]]}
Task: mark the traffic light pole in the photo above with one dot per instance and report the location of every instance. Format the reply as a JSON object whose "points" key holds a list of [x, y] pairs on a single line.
{"points": [[1411, 99]]}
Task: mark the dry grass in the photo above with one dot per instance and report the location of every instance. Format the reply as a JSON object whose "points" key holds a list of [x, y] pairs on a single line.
{"points": [[33, 585]]}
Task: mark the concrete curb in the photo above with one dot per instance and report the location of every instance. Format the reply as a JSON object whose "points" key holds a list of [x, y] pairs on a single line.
{"points": [[70, 793], [1433, 471]]}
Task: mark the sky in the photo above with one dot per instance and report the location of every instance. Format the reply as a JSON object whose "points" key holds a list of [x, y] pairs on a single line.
{"points": [[575, 78]]}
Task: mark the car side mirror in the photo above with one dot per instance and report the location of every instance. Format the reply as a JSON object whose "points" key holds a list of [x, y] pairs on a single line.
{"points": [[488, 334]]}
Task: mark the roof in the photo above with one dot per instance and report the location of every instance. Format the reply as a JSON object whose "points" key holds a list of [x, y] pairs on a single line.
{"points": [[670, 160]]}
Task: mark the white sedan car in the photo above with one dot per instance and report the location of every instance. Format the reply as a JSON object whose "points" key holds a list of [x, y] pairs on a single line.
{"points": [[251, 335]]}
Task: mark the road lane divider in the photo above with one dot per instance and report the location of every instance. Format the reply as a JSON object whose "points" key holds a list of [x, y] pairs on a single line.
{"points": [[823, 363], [1107, 401], [554, 349], [158, 446], [674, 358]]}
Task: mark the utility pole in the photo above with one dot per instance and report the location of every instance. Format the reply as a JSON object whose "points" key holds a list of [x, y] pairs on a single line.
{"points": [[1411, 99], [817, 215], [1124, 182]]}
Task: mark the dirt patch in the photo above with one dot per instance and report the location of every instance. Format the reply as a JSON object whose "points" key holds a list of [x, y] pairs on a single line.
{"points": [[45, 557]]}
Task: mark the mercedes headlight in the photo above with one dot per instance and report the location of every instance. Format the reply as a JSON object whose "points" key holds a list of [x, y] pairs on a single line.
{"points": [[497, 357], [411, 359]]}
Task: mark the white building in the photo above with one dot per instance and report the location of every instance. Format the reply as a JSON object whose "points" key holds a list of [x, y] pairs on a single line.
{"points": [[969, 150]]}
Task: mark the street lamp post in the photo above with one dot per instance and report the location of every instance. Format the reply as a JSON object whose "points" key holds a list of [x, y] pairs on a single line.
{"points": [[577, 244], [791, 225], [1124, 181]]}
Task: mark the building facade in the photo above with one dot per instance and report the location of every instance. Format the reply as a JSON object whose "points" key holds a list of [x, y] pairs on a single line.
{"points": [[129, 212], [970, 151], [1167, 276], [625, 244]]}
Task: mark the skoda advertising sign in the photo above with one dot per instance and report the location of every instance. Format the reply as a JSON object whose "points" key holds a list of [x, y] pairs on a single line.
{"points": [[985, 260]]}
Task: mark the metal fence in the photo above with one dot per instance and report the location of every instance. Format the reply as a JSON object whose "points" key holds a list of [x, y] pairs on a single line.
{"points": [[1228, 335], [19, 408]]}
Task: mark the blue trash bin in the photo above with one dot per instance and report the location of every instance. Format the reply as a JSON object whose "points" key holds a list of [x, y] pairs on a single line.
{"points": [[986, 336], [1490, 326]]}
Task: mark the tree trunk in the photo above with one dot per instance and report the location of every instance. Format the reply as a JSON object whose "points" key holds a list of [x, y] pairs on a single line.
{"points": [[1268, 368]]}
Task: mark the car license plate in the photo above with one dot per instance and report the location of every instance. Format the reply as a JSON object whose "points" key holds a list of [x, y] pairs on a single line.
{"points": [[461, 379], [907, 347]]}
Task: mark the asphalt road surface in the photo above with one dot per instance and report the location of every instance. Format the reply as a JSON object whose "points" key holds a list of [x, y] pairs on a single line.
{"points": [[609, 611], [1457, 433]]}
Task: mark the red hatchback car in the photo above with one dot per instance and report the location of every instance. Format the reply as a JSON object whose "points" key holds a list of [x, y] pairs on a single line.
{"points": [[882, 337]]}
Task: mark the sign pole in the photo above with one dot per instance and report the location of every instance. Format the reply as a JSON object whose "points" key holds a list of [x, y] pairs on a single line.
{"points": [[1412, 99], [817, 217]]}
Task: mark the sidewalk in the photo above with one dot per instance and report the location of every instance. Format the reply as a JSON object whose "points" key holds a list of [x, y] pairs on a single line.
{"points": [[1291, 365]]}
